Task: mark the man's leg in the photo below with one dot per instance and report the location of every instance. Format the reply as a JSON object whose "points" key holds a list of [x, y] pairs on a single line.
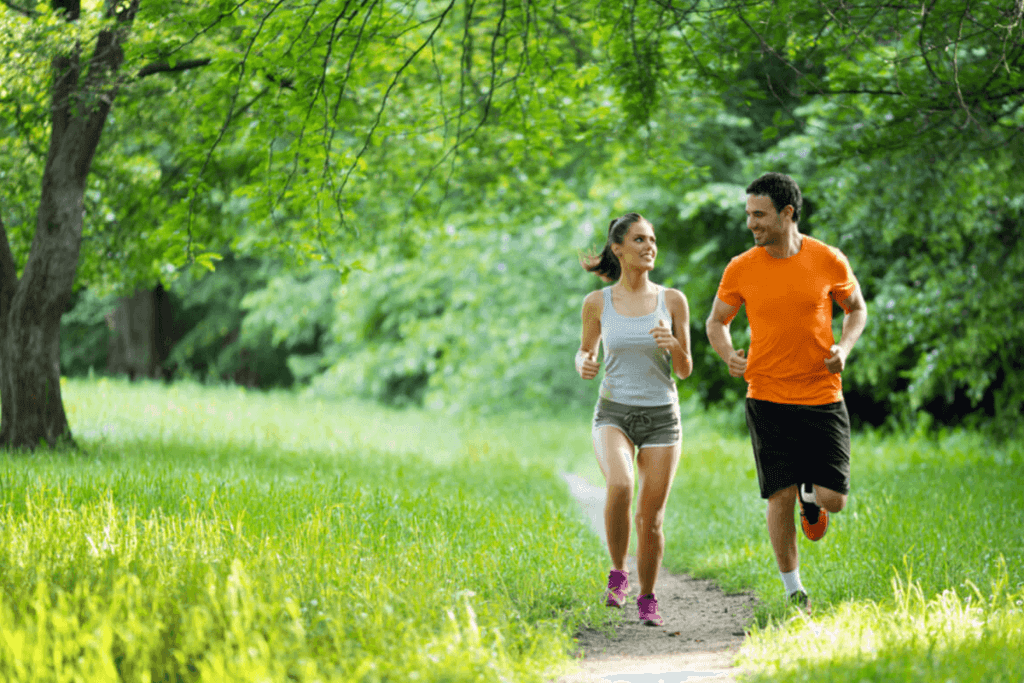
{"points": [[782, 529], [833, 501]]}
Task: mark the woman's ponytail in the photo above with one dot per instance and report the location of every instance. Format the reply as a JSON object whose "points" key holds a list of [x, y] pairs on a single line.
{"points": [[606, 264]]}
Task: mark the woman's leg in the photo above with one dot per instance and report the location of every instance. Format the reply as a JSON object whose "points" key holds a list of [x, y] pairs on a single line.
{"points": [[614, 453], [656, 467]]}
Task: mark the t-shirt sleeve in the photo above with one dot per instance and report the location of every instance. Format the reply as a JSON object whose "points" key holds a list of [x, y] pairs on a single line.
{"points": [[729, 288], [844, 282]]}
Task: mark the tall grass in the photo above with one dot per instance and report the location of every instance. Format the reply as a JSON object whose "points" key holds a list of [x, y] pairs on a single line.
{"points": [[920, 578], [219, 535], [216, 534]]}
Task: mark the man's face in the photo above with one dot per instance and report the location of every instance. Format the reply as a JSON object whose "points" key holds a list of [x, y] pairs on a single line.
{"points": [[764, 221]]}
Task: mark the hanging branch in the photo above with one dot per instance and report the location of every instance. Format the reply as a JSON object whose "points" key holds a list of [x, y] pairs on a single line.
{"points": [[167, 67]]}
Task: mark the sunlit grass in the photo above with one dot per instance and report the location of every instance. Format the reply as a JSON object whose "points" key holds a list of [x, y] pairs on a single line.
{"points": [[918, 579], [218, 535], [957, 635], [110, 411]]}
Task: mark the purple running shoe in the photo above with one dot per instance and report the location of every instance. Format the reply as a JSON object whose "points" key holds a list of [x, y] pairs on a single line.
{"points": [[648, 607], [618, 586]]}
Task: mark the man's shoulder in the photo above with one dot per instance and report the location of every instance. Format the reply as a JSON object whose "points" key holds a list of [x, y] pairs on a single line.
{"points": [[824, 249], [746, 258]]}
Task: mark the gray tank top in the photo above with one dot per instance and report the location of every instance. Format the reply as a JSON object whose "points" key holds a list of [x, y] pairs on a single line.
{"points": [[636, 371]]}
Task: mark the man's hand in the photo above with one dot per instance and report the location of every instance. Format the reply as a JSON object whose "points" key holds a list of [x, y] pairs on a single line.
{"points": [[738, 363], [587, 365], [837, 361]]}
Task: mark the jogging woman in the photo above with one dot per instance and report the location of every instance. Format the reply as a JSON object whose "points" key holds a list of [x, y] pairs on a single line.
{"points": [[645, 330]]}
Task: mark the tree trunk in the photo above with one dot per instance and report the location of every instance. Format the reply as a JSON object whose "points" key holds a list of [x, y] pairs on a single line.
{"points": [[31, 407], [138, 345]]}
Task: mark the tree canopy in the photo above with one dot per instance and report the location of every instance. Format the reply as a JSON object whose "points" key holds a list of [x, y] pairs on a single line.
{"points": [[359, 135]]}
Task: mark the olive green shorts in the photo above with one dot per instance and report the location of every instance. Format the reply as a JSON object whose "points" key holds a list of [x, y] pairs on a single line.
{"points": [[645, 426]]}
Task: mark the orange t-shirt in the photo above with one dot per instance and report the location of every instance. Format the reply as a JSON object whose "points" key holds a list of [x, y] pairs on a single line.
{"points": [[789, 306]]}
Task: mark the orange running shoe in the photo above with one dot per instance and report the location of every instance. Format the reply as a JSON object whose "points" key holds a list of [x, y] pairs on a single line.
{"points": [[813, 519]]}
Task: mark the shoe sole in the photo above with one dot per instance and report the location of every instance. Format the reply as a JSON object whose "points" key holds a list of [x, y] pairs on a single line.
{"points": [[814, 532]]}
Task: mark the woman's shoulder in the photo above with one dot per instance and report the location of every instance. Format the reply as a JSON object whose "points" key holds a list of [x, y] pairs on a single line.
{"points": [[594, 300], [674, 296]]}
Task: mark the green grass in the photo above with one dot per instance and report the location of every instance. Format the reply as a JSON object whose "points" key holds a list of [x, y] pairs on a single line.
{"points": [[220, 535], [921, 578]]}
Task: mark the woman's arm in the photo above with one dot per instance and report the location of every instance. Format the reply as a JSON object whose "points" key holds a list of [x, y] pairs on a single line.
{"points": [[677, 340], [586, 358]]}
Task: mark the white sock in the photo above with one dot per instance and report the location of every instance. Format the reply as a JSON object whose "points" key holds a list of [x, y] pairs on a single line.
{"points": [[811, 497], [791, 582]]}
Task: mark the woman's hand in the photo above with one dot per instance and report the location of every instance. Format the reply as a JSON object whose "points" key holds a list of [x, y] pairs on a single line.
{"points": [[587, 365], [665, 339]]}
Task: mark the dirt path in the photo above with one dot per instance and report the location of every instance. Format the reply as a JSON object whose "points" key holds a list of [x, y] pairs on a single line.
{"points": [[703, 628]]}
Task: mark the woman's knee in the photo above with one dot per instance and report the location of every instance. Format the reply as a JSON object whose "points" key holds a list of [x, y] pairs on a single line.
{"points": [[620, 489], [650, 521]]}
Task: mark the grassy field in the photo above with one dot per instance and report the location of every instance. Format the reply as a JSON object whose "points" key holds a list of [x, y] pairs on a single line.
{"points": [[221, 535], [920, 578]]}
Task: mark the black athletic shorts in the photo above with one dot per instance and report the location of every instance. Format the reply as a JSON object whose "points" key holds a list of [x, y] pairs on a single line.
{"points": [[794, 444]]}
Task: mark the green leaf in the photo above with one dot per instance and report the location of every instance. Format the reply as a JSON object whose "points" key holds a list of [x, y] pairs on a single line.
{"points": [[206, 260]]}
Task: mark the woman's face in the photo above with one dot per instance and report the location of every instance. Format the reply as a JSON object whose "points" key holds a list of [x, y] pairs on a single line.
{"points": [[639, 248]]}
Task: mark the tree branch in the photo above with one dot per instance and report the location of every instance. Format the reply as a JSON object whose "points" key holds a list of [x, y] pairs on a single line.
{"points": [[24, 11], [167, 67]]}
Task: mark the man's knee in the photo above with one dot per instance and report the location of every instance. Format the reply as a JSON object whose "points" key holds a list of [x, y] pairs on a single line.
{"points": [[833, 501]]}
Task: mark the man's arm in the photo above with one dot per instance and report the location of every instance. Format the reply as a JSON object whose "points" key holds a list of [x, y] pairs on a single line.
{"points": [[717, 327], [854, 321]]}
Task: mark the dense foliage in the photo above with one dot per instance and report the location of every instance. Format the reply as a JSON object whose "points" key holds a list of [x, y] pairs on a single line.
{"points": [[360, 138]]}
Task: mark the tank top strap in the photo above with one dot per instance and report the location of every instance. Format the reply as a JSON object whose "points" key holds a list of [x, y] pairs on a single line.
{"points": [[608, 298], [662, 305]]}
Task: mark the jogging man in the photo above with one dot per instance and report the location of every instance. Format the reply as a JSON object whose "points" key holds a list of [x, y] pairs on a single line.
{"points": [[799, 426]]}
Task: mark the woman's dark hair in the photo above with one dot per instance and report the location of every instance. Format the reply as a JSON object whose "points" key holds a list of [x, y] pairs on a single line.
{"points": [[781, 189], [606, 265]]}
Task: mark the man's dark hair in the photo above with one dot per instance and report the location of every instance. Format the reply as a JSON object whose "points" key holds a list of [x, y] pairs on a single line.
{"points": [[781, 189]]}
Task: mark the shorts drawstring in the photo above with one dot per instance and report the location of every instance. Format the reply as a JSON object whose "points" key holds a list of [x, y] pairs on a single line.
{"points": [[635, 421]]}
